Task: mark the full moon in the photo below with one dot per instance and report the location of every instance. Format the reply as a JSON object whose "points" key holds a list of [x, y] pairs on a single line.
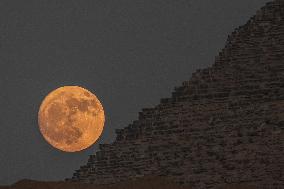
{"points": [[71, 118]]}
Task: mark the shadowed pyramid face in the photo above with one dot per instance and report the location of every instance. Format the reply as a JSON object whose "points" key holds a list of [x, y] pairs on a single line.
{"points": [[224, 126], [71, 118]]}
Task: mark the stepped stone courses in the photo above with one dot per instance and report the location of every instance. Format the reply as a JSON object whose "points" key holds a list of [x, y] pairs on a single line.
{"points": [[224, 125]]}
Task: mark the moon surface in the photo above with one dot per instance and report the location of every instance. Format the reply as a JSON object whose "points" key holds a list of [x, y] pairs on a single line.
{"points": [[71, 118]]}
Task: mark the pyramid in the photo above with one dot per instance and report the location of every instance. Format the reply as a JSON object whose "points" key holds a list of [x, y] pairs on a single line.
{"points": [[223, 126]]}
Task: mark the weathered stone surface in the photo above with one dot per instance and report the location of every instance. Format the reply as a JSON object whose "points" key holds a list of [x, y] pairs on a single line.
{"points": [[224, 125]]}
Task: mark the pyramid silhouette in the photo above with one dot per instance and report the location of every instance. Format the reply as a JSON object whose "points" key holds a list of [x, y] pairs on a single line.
{"points": [[224, 125]]}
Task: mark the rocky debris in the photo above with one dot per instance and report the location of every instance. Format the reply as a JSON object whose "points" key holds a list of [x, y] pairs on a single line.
{"points": [[142, 183]]}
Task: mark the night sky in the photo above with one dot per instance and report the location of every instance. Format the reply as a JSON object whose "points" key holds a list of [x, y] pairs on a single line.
{"points": [[129, 53]]}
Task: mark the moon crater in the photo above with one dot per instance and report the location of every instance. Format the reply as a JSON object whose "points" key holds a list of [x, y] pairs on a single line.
{"points": [[71, 118]]}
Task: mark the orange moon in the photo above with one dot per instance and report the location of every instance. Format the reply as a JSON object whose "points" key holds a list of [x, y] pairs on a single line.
{"points": [[71, 118]]}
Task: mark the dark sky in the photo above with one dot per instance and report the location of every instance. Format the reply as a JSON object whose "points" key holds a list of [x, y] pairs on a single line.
{"points": [[129, 53]]}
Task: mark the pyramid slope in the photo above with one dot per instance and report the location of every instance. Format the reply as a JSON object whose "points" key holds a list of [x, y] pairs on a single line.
{"points": [[224, 125]]}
